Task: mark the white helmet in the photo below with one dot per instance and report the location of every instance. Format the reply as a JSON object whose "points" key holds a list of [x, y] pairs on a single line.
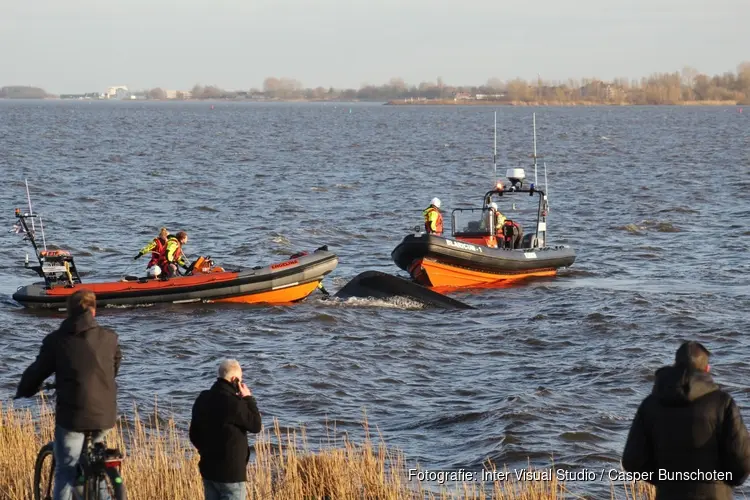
{"points": [[493, 205], [436, 202], [153, 271]]}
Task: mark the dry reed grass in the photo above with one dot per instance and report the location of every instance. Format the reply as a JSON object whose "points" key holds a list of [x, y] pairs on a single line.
{"points": [[160, 463]]}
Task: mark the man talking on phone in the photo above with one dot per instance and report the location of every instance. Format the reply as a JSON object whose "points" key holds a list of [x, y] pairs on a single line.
{"points": [[222, 417]]}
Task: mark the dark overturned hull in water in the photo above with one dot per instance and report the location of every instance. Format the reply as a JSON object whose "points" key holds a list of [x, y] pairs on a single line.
{"points": [[279, 283], [449, 263], [375, 284]]}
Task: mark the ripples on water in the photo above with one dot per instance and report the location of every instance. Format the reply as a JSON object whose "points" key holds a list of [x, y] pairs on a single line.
{"points": [[653, 199]]}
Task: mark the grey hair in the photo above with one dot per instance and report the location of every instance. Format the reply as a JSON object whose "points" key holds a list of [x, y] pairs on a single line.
{"points": [[229, 367]]}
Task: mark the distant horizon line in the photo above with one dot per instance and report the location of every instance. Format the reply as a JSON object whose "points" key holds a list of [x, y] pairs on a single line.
{"points": [[438, 82]]}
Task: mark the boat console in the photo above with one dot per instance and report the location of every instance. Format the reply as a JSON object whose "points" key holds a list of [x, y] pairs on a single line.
{"points": [[57, 267]]}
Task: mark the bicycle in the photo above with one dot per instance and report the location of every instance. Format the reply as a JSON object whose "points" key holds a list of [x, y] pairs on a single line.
{"points": [[97, 464]]}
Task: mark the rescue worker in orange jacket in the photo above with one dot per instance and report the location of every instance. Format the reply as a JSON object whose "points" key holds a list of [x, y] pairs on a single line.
{"points": [[157, 247], [433, 219], [173, 257]]}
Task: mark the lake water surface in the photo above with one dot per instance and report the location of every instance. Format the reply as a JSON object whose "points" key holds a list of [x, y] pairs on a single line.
{"points": [[654, 200]]}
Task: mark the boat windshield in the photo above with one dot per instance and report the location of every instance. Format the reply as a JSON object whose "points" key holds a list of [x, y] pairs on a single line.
{"points": [[473, 222]]}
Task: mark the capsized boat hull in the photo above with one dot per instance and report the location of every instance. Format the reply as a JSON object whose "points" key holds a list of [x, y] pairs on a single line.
{"points": [[448, 263], [279, 283], [379, 285]]}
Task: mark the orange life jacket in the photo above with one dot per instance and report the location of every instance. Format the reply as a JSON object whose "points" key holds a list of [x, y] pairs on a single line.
{"points": [[158, 253]]}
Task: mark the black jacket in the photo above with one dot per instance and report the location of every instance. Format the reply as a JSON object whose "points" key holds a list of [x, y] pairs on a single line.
{"points": [[685, 425], [85, 359], [218, 429]]}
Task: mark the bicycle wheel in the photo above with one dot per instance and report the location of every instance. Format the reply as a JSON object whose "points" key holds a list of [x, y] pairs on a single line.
{"points": [[43, 476]]}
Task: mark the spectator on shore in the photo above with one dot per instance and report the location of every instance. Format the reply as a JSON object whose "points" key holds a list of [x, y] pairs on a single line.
{"points": [[85, 359], [685, 426], [222, 417]]}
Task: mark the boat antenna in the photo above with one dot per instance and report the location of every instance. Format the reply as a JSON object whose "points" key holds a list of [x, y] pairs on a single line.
{"points": [[535, 157], [546, 199], [494, 153], [44, 241], [31, 212], [28, 197]]}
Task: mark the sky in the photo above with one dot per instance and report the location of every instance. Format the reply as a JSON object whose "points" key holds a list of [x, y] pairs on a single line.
{"points": [[86, 45]]}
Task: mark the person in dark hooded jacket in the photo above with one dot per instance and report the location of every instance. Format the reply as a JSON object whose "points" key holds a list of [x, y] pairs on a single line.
{"points": [[85, 359], [688, 435]]}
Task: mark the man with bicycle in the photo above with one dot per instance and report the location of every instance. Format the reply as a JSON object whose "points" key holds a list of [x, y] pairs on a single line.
{"points": [[85, 359]]}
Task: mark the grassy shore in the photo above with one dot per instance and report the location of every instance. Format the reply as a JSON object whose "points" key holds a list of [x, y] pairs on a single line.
{"points": [[161, 463], [483, 102]]}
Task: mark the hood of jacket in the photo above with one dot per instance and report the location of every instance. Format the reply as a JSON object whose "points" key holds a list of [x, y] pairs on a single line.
{"points": [[677, 385], [79, 324]]}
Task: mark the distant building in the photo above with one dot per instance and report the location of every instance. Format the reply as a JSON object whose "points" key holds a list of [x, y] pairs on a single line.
{"points": [[489, 96], [89, 95], [601, 90], [462, 96], [118, 92], [178, 94]]}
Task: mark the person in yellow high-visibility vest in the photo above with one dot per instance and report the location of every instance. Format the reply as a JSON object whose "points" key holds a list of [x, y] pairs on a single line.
{"points": [[433, 219], [499, 219], [173, 256]]}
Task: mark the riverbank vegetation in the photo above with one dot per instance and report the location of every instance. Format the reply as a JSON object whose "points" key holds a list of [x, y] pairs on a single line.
{"points": [[685, 87], [161, 463], [22, 92]]}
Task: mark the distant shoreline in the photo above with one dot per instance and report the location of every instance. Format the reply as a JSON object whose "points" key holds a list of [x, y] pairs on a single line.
{"points": [[400, 102], [451, 102], [688, 87]]}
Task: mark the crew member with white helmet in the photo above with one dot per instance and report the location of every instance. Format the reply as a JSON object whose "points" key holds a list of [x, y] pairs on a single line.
{"points": [[433, 219], [511, 237], [499, 218]]}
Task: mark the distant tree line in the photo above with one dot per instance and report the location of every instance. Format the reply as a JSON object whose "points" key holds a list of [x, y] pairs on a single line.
{"points": [[688, 85], [22, 92]]}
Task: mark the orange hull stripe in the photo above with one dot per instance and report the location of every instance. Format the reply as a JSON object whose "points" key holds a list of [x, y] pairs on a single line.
{"points": [[444, 275], [281, 296], [132, 286]]}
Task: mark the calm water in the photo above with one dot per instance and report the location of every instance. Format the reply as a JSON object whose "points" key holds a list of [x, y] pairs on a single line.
{"points": [[654, 200]]}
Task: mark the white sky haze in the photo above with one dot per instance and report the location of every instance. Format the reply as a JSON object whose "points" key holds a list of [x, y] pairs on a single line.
{"points": [[87, 46]]}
